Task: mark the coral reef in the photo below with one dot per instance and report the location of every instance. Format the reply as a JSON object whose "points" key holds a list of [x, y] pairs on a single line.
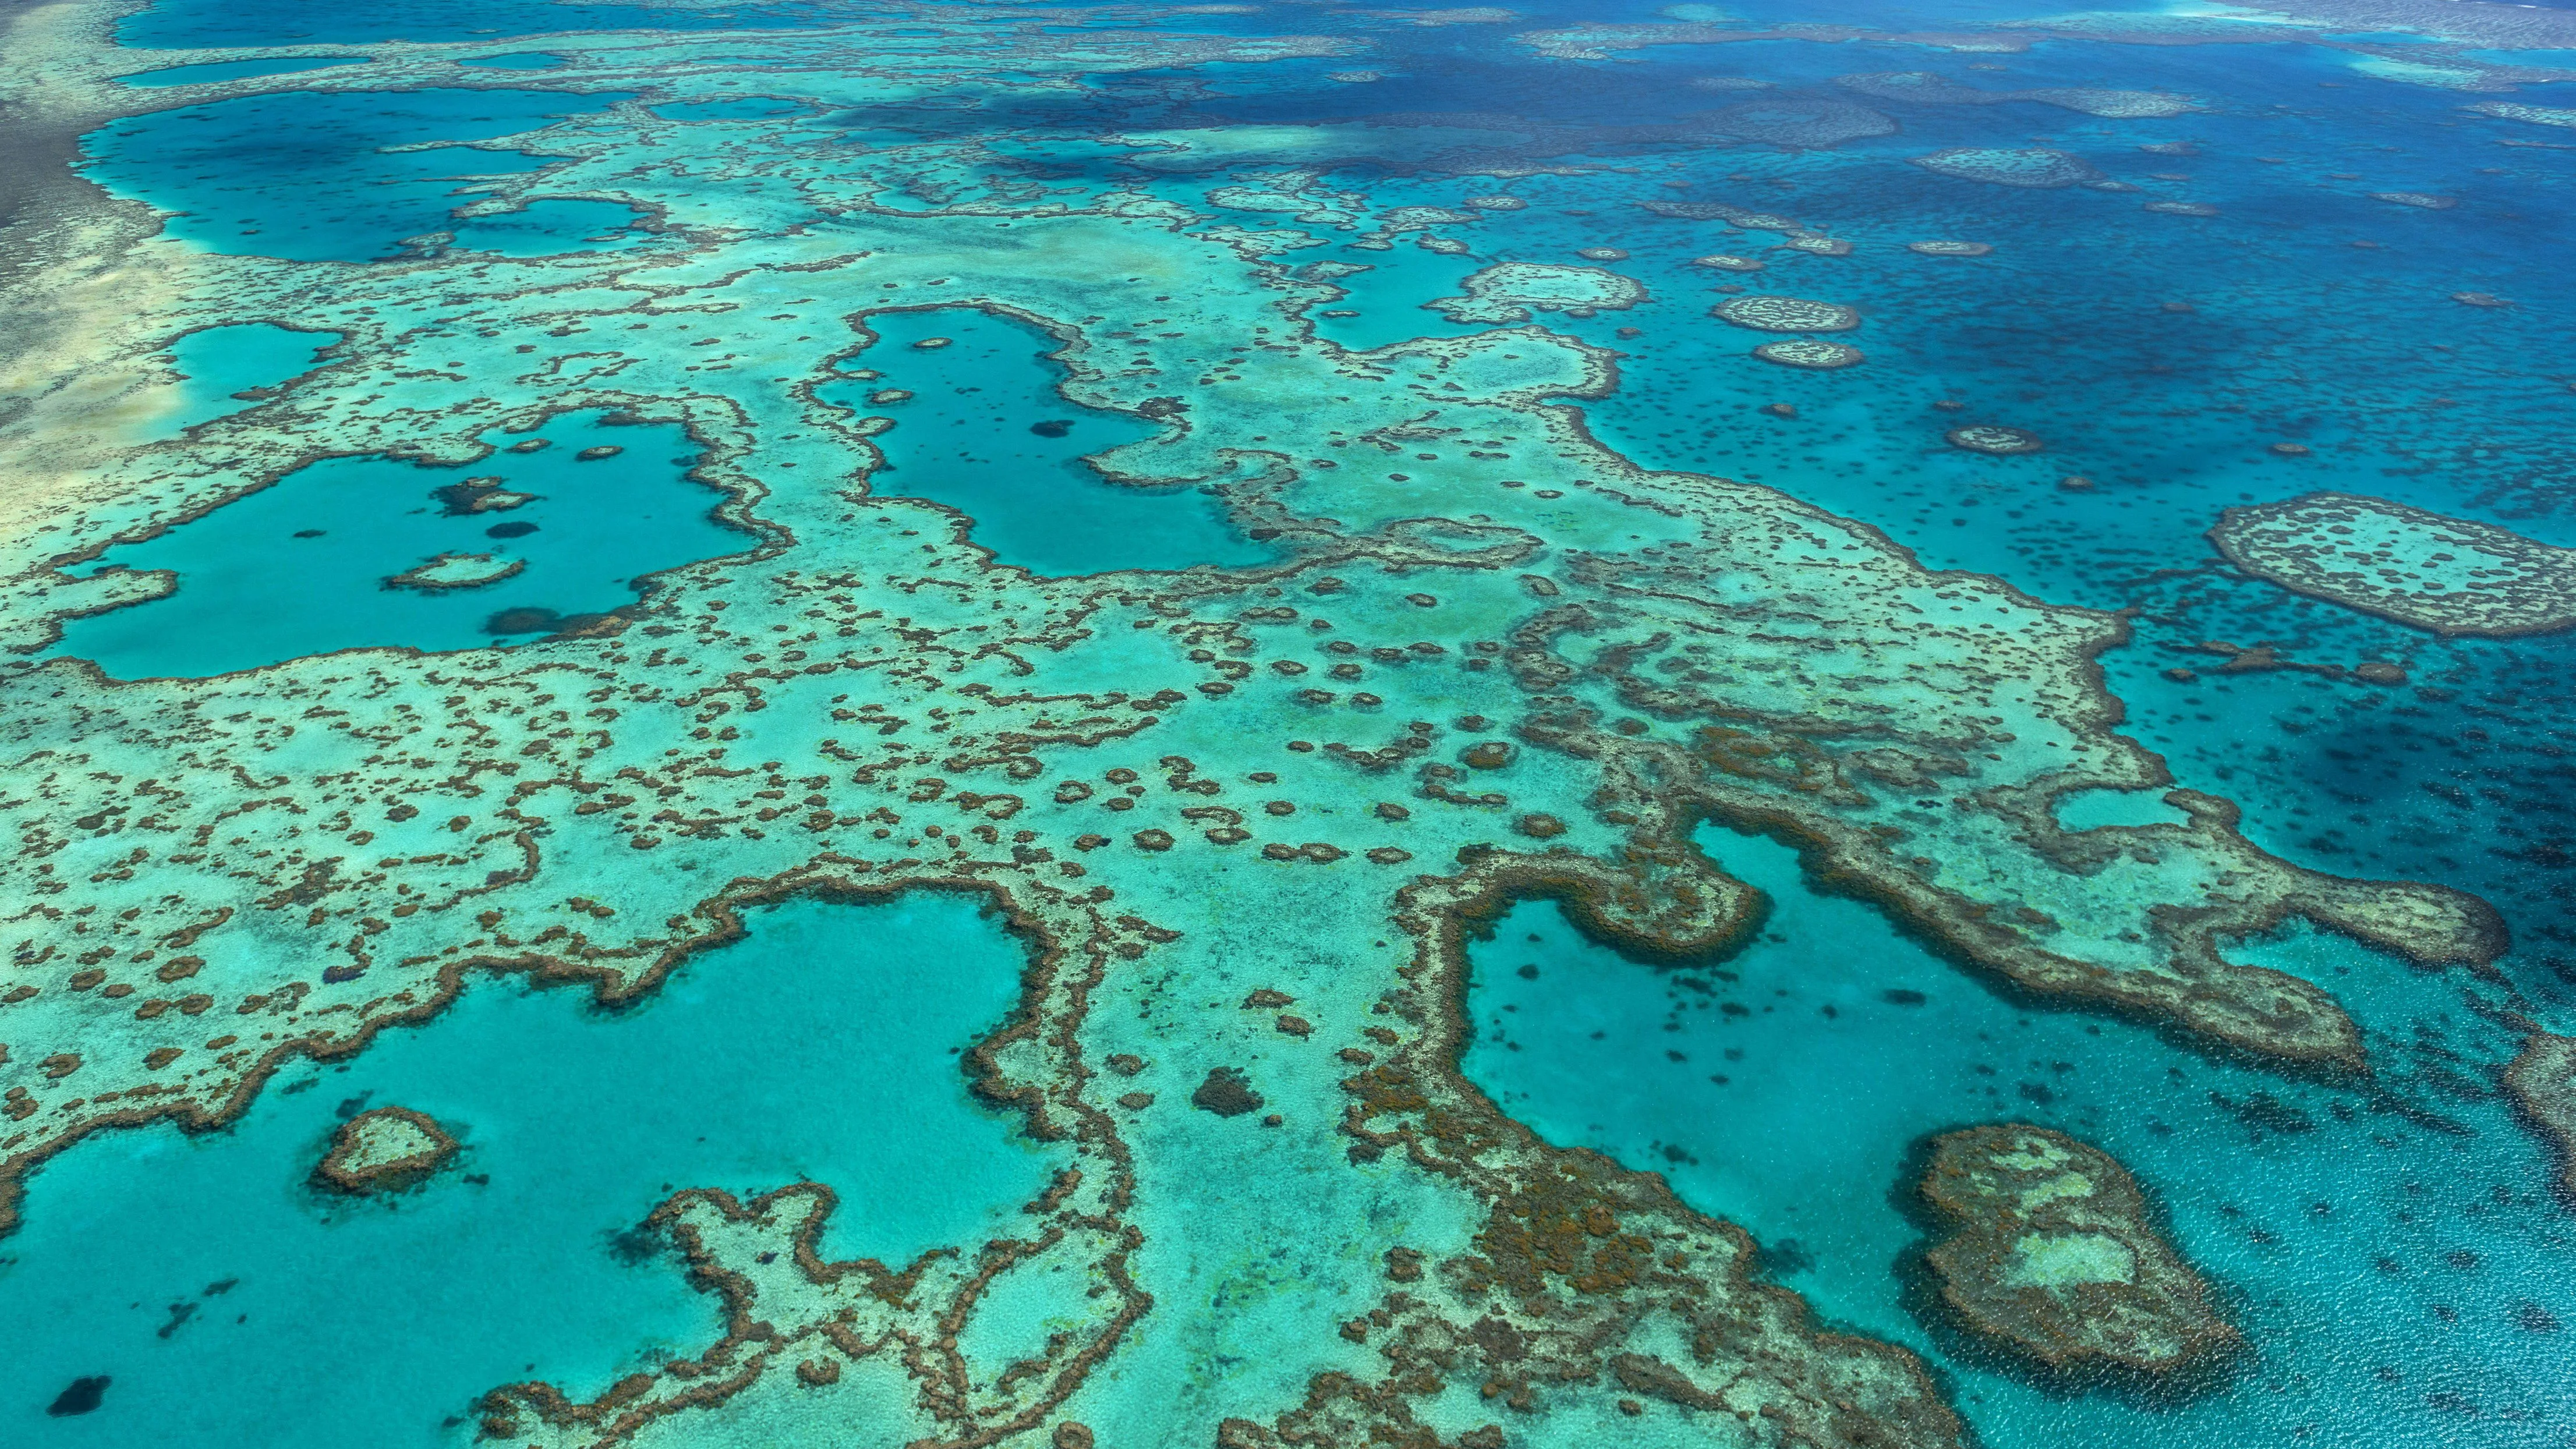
{"points": [[2559, 116], [457, 571], [1489, 658], [2050, 1255], [2449, 575], [1509, 291], [1926, 88], [1994, 438], [1768, 313], [385, 1150], [1810, 352], [2032, 166], [2542, 1082]]}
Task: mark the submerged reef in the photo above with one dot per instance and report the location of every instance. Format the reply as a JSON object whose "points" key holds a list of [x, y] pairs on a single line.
{"points": [[1771, 313], [386, 1150], [1994, 438], [2542, 1083], [1243, 816], [1926, 88], [1509, 291], [1810, 352], [2032, 166], [2559, 116], [2051, 1256], [2449, 575]]}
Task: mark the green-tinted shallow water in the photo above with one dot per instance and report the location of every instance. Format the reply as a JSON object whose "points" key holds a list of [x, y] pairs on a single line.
{"points": [[230, 1301], [1785, 1088], [987, 430], [305, 566], [1225, 792]]}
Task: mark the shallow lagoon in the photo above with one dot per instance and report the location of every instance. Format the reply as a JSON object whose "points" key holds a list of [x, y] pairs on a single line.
{"points": [[986, 431], [217, 365], [231, 1302], [303, 566]]}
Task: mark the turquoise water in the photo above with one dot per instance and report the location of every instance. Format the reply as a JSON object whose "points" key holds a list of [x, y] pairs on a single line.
{"points": [[746, 108], [226, 70], [306, 176], [524, 60], [301, 567], [551, 226], [823, 1046], [970, 437], [217, 364], [2387, 1247], [2380, 1263]]}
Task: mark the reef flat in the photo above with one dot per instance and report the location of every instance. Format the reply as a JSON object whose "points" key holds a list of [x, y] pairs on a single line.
{"points": [[2542, 1079], [2051, 1255], [765, 462], [2449, 575], [385, 1150]]}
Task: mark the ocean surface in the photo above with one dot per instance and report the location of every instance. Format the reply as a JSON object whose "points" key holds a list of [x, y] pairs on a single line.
{"points": [[2389, 1244]]}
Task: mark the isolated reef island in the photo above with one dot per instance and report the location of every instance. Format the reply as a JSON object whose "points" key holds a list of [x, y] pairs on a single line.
{"points": [[1222, 725]]}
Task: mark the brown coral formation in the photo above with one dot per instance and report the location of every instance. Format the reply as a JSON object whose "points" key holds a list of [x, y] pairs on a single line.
{"points": [[2449, 575], [386, 1150], [2542, 1083], [1813, 353], [2052, 1257], [1579, 1271], [1768, 313], [1994, 438]]}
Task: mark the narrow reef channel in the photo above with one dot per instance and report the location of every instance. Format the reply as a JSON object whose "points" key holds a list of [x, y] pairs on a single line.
{"points": [[229, 1299]]}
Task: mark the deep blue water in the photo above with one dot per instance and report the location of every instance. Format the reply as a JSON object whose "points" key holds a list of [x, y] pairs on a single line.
{"points": [[175, 23], [306, 176], [824, 1045], [301, 567]]}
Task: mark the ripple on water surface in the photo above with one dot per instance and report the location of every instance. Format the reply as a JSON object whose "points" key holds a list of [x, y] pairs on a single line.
{"points": [[309, 564], [981, 426], [2397, 1278], [228, 1301]]}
